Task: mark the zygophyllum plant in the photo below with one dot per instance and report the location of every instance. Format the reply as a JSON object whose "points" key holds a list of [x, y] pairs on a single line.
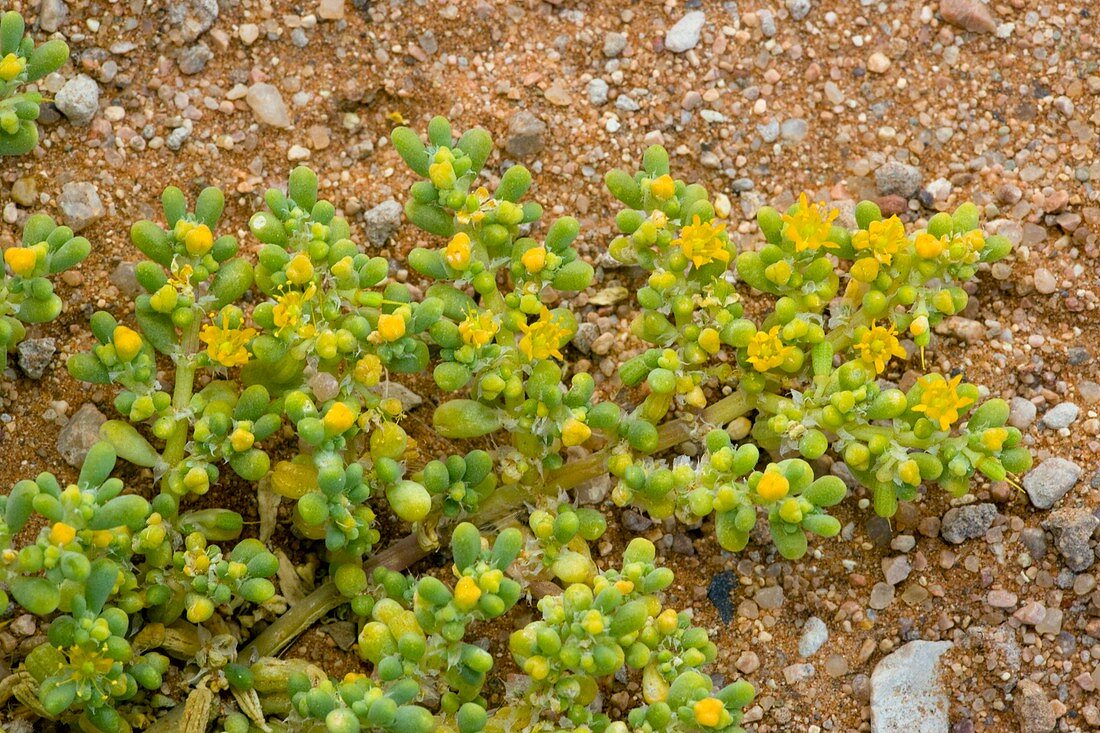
{"points": [[26, 293], [21, 63], [154, 604]]}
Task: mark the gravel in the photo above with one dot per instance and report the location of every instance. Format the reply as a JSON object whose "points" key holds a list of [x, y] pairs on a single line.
{"points": [[968, 522], [193, 17], [597, 91], [1050, 481], [35, 356], [897, 179], [907, 691], [193, 59], [80, 204], [684, 36], [1033, 708], [969, 15], [80, 434], [382, 221], [526, 135], [267, 105], [78, 100], [1072, 529], [1061, 416], [1021, 413], [814, 636]]}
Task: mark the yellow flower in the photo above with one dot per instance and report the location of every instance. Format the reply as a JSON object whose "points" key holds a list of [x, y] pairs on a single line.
{"points": [[467, 593], [808, 227], [790, 511], [225, 345], [534, 259], [241, 440], [62, 534], [940, 400], [710, 340], [927, 246], [543, 338], [339, 418], [767, 351], [877, 345], [883, 239], [457, 253], [484, 202], [290, 307], [478, 329], [299, 270], [708, 712], [773, 486], [21, 260], [663, 187], [368, 370], [701, 242], [391, 326], [127, 342], [198, 240], [11, 66], [574, 432]]}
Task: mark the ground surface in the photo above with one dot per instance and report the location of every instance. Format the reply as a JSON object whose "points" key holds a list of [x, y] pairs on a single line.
{"points": [[763, 106]]}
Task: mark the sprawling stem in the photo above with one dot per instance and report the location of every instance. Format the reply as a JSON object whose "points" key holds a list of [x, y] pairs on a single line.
{"points": [[176, 445]]}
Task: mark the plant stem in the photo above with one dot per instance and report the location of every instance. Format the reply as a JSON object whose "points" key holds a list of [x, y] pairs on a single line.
{"points": [[176, 445], [408, 550], [286, 628]]}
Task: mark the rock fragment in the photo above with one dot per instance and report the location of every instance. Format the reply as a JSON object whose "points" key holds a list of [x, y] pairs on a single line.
{"points": [[907, 691], [684, 36]]}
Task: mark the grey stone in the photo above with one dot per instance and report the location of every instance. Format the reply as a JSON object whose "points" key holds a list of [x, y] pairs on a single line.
{"points": [[767, 22], [798, 9], [1021, 413], [525, 134], [613, 44], [1072, 529], [896, 569], [969, 15], [35, 356], [1033, 708], [1050, 481], [770, 597], [193, 59], [193, 17], [814, 636], [80, 434], [382, 221], [1035, 540], [1061, 416], [123, 278], [967, 522], [897, 179], [907, 691], [626, 104], [409, 400], [635, 521], [769, 131], [798, 673], [51, 14], [684, 36], [177, 137], [597, 91], [794, 130], [882, 595], [78, 100], [267, 105], [80, 204]]}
